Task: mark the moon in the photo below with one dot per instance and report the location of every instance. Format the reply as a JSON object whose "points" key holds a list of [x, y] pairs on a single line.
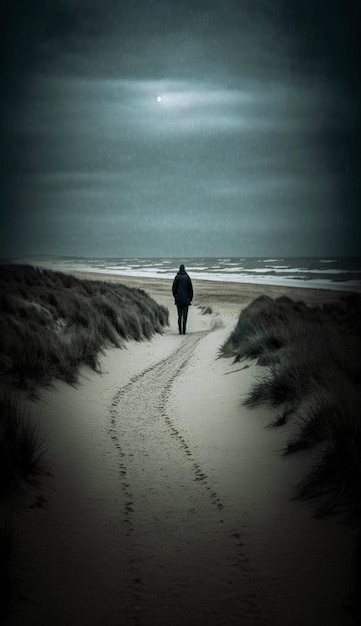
{"points": [[159, 98]]}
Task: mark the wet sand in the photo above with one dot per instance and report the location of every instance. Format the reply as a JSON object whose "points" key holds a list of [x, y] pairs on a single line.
{"points": [[170, 502]]}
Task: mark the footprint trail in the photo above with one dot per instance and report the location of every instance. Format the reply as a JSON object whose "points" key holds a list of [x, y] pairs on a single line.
{"points": [[180, 548]]}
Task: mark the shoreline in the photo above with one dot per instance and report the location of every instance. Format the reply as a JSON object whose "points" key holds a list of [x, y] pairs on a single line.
{"points": [[346, 284], [217, 289]]}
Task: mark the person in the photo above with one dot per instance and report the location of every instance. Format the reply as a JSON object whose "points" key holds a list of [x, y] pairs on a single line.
{"points": [[182, 290]]}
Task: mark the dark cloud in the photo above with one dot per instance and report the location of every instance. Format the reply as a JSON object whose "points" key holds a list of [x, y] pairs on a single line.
{"points": [[253, 147], [112, 37]]}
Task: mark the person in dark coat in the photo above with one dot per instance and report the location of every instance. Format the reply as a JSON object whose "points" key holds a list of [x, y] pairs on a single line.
{"points": [[183, 295]]}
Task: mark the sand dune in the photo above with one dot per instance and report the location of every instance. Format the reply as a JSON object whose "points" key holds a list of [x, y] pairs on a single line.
{"points": [[169, 501]]}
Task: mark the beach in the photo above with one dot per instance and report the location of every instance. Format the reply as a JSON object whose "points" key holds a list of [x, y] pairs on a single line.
{"points": [[169, 501]]}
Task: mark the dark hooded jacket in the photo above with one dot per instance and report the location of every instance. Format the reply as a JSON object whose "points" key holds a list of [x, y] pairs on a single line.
{"points": [[182, 288]]}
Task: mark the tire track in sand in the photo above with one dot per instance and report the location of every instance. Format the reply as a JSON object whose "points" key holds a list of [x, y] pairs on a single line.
{"points": [[180, 551]]}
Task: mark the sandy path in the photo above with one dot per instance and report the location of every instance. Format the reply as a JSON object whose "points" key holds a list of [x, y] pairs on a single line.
{"points": [[169, 501], [185, 561]]}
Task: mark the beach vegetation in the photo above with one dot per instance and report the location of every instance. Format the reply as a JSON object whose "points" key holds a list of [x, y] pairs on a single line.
{"points": [[312, 374], [21, 449], [52, 322], [310, 357], [22, 462]]}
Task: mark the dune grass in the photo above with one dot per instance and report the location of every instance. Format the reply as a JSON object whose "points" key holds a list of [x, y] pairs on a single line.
{"points": [[311, 357], [21, 464], [21, 449], [51, 323], [313, 373]]}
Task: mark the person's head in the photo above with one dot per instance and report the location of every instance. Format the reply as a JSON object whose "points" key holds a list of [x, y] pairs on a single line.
{"points": [[181, 268]]}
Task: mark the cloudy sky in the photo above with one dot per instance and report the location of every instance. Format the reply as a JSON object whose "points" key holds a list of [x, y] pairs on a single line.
{"points": [[180, 128]]}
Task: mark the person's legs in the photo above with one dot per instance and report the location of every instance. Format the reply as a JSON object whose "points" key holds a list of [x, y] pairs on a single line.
{"points": [[185, 316], [179, 308], [182, 318]]}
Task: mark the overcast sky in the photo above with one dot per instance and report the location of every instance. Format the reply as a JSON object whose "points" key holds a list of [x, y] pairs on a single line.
{"points": [[180, 128]]}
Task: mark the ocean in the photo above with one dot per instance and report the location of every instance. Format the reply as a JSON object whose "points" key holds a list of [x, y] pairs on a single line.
{"points": [[341, 273]]}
